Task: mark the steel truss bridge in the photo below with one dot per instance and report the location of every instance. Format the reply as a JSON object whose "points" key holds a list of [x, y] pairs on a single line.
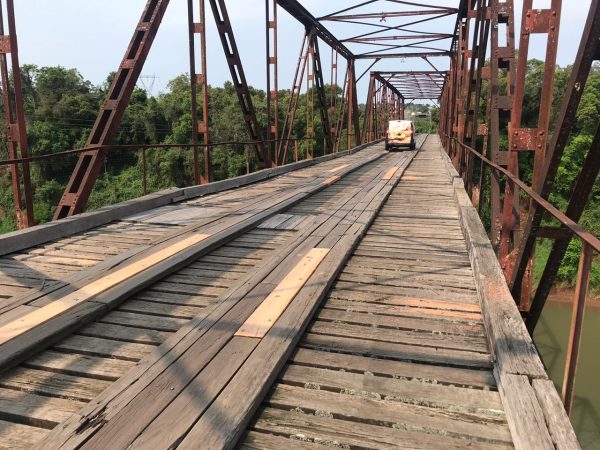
{"points": [[351, 297]]}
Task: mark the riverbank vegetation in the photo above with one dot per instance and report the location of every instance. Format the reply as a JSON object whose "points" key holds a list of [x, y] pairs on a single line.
{"points": [[61, 107]]}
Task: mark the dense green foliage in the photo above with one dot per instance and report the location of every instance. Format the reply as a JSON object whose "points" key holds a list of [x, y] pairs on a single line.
{"points": [[61, 107], [588, 116]]}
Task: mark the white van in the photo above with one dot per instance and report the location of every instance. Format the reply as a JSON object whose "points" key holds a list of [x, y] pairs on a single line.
{"points": [[400, 133]]}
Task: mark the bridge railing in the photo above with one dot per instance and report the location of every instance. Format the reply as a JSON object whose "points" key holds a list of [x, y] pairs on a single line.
{"points": [[590, 248], [298, 150]]}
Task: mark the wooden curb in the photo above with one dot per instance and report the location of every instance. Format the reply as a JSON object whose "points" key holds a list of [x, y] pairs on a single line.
{"points": [[535, 420], [22, 239]]}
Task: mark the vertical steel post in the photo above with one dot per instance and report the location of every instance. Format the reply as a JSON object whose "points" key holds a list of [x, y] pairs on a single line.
{"points": [[199, 82], [272, 76], [288, 122], [238, 76], [310, 98], [321, 95], [538, 21], [581, 290], [15, 119], [367, 133], [589, 51], [502, 57], [342, 113]]}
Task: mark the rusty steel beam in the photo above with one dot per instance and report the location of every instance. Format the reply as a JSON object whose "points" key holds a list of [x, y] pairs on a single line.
{"points": [[290, 116], [475, 83], [309, 142], [589, 51], [14, 118], [199, 85], [367, 131], [575, 333], [272, 78], [353, 116], [403, 55], [322, 97], [389, 14], [238, 77], [538, 21], [579, 197], [83, 179], [502, 58], [436, 36], [302, 15], [342, 112]]}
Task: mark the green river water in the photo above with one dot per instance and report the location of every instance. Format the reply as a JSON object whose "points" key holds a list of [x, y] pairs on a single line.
{"points": [[551, 336]]}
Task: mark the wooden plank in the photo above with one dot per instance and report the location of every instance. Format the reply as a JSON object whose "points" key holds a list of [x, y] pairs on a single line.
{"points": [[25, 323], [35, 410], [402, 352], [331, 180], [261, 441], [390, 173], [265, 316], [408, 321], [53, 384], [160, 309], [173, 422], [395, 369], [124, 333], [418, 393], [14, 314], [524, 414], [402, 300], [16, 436], [435, 293], [338, 433], [414, 417], [107, 348], [80, 365], [509, 340], [149, 322], [475, 344], [274, 221], [559, 425], [335, 169]]}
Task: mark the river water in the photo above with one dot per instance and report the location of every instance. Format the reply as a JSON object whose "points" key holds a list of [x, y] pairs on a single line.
{"points": [[552, 336]]}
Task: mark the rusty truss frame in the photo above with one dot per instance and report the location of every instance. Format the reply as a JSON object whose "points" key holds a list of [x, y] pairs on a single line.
{"points": [[481, 100], [391, 33], [473, 136]]}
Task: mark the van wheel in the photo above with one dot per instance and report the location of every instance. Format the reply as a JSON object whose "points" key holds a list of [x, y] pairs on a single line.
{"points": [[413, 146]]}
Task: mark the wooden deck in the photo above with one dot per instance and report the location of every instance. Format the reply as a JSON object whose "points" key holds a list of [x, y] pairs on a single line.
{"points": [[353, 303]]}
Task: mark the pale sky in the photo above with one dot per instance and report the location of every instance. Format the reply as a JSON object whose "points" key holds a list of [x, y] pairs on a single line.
{"points": [[92, 35]]}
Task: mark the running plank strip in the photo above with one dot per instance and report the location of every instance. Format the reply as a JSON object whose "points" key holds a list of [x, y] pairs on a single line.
{"points": [[54, 309], [263, 318]]}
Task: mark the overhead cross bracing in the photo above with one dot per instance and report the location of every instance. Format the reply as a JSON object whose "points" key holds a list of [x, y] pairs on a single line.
{"points": [[351, 299], [415, 85], [395, 31]]}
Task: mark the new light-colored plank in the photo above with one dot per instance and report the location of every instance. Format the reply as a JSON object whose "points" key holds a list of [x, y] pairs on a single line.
{"points": [[335, 169], [331, 180], [390, 173], [27, 322], [261, 321]]}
